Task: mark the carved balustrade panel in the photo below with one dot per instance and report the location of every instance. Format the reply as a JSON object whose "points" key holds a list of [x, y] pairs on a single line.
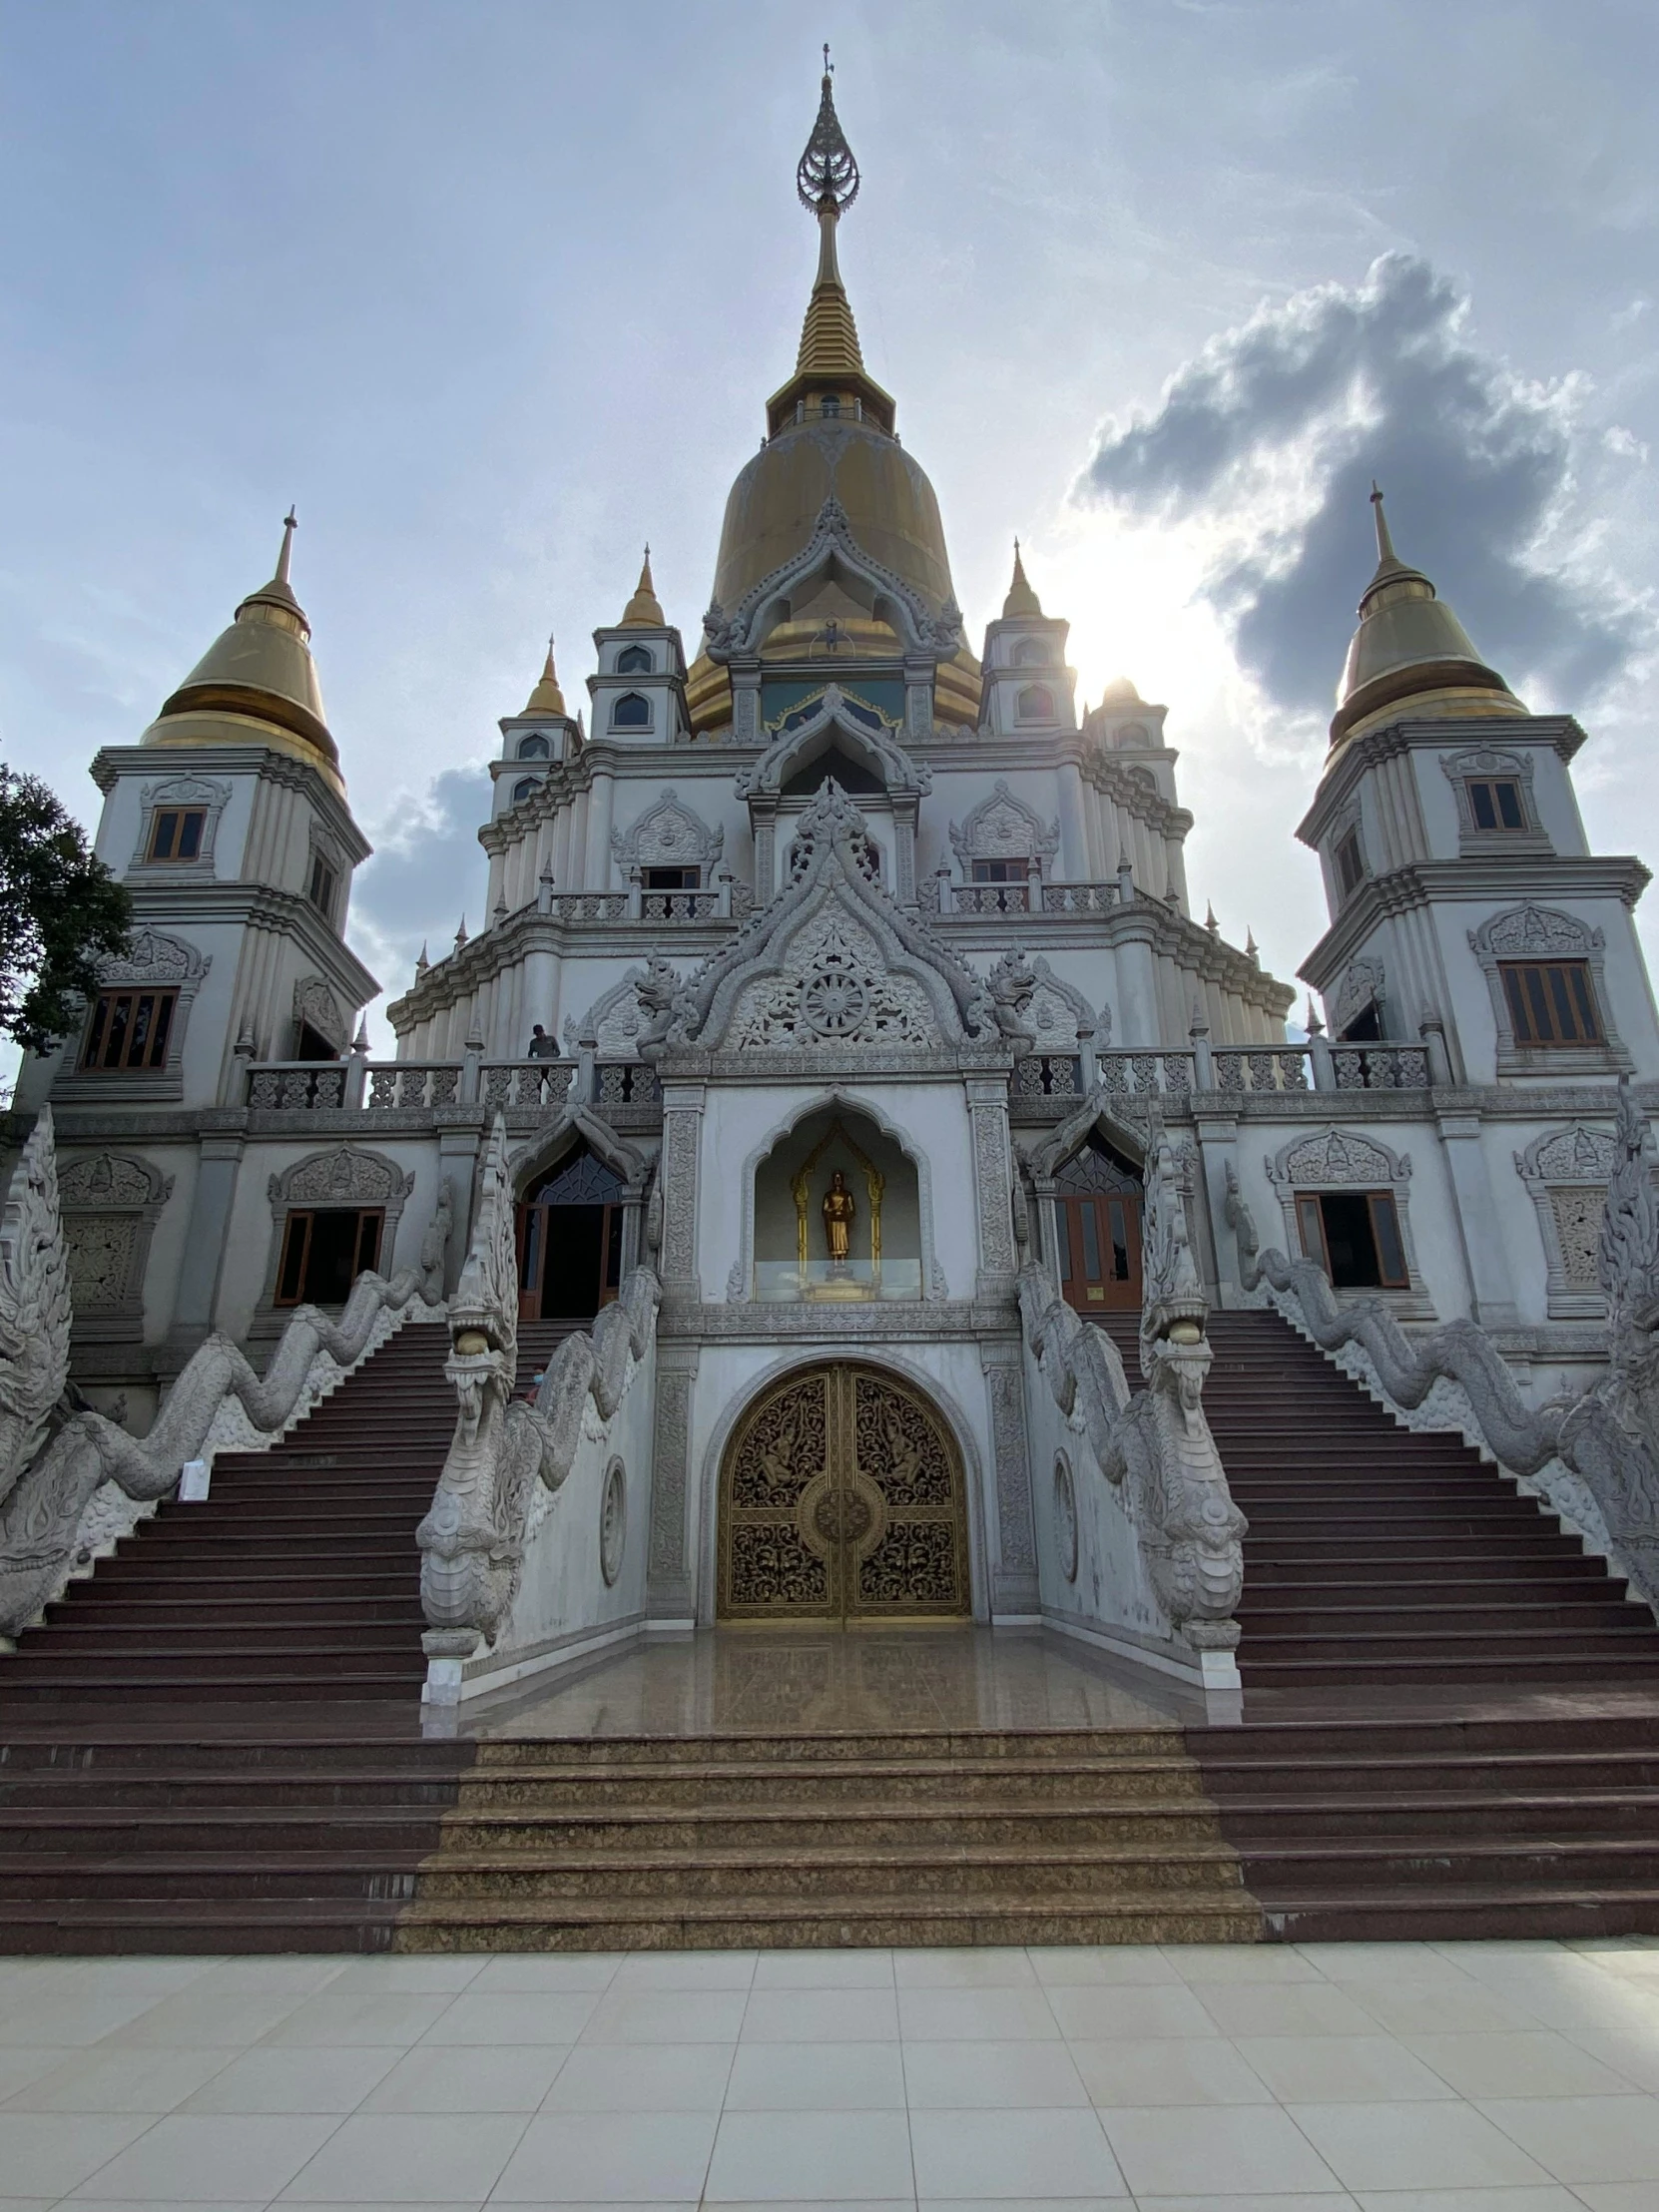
{"points": [[1274, 1068]]}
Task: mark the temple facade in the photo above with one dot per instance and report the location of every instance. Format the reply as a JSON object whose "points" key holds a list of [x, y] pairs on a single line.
{"points": [[836, 972]]}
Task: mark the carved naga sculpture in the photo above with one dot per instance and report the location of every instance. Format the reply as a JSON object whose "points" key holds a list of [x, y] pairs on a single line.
{"points": [[1156, 1443], [51, 1515], [1607, 1438], [508, 1457]]}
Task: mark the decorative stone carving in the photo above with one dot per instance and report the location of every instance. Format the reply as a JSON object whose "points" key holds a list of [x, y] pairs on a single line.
{"points": [[346, 1175], [1486, 761], [1016, 1545], [840, 995], [668, 1466], [1065, 1517], [1567, 1173], [315, 1003], [506, 1455], [1343, 1159], [866, 735], [35, 1310], [1004, 828], [1154, 1442], [111, 1203], [1059, 1017], [1361, 985], [613, 1522], [667, 834]]}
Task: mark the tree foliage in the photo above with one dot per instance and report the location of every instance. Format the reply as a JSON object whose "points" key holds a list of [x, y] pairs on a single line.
{"points": [[61, 911]]}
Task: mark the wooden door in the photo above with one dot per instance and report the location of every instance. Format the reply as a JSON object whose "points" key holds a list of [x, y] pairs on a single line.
{"points": [[1097, 1211]]}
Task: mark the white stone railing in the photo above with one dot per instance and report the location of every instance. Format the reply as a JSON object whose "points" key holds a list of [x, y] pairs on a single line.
{"points": [[1593, 1458], [1136, 1074], [499, 1567]]}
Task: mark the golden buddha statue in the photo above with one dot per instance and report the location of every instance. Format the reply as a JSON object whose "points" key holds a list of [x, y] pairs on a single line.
{"points": [[839, 1209]]}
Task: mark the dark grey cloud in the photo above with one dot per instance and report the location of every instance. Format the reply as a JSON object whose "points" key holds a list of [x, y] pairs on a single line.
{"points": [[1323, 392], [427, 871]]}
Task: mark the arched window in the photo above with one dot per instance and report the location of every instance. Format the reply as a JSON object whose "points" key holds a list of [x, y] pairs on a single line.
{"points": [[524, 786], [1031, 653], [830, 406], [534, 748], [631, 711], [634, 660], [1035, 704]]}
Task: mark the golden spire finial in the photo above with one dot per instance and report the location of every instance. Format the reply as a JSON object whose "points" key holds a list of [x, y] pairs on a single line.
{"points": [[827, 180], [644, 611], [1385, 544], [1022, 603], [547, 698], [290, 523]]}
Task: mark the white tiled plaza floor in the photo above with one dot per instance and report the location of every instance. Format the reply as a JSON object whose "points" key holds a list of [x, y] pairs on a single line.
{"points": [[1389, 2077]]}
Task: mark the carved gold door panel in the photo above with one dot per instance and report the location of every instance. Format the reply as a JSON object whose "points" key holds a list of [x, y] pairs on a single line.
{"points": [[842, 1498]]}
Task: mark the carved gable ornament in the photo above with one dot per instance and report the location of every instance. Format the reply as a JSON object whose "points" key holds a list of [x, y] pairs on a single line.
{"points": [[111, 1179], [1338, 1157], [1003, 827], [1575, 1155], [1532, 928], [667, 834], [864, 735], [152, 956], [315, 1004], [832, 554], [833, 965], [347, 1176]]}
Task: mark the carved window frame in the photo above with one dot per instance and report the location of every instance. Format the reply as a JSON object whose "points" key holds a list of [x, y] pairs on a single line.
{"points": [[178, 791], [1545, 1179], [970, 840], [1364, 983], [324, 847], [1578, 942], [1479, 765], [534, 744], [1376, 1166], [614, 718], [395, 1186], [157, 958], [335, 1028], [636, 846], [135, 1192], [1348, 823]]}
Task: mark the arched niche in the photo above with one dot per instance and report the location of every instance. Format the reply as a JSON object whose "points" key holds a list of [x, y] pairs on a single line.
{"points": [[884, 1235]]}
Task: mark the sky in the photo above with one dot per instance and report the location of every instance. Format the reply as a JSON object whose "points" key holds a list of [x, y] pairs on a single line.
{"points": [[494, 291]]}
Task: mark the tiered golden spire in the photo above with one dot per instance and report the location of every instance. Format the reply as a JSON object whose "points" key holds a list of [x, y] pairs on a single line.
{"points": [[547, 698], [1022, 603], [644, 611]]}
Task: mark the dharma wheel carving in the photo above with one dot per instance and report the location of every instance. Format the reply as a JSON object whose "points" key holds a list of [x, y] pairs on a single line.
{"points": [[842, 1498]]}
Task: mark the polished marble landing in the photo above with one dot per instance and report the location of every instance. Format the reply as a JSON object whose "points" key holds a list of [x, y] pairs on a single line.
{"points": [[771, 1681]]}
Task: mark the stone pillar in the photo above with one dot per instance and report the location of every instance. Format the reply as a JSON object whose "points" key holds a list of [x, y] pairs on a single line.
{"points": [[682, 1145], [219, 1160], [1137, 993], [1491, 1300], [762, 814], [993, 1180], [746, 703], [457, 1166], [918, 697], [1013, 1591], [596, 873], [670, 1594], [904, 853], [1218, 1149]]}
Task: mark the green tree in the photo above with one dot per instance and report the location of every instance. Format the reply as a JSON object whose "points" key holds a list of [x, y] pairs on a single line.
{"points": [[60, 912]]}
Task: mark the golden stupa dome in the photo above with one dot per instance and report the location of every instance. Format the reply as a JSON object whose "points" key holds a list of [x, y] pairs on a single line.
{"points": [[257, 682], [644, 610], [1410, 647], [830, 435], [547, 698], [1022, 603]]}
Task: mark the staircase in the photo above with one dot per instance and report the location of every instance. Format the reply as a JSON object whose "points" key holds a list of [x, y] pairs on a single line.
{"points": [[1377, 1555], [296, 1578], [973, 1837]]}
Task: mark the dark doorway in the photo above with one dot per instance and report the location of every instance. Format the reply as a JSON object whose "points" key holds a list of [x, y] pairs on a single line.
{"points": [[1355, 1236], [570, 1240], [324, 1250], [1097, 1219]]}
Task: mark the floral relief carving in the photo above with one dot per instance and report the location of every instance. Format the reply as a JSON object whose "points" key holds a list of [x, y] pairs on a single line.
{"points": [[1003, 827], [1567, 1173], [667, 834], [835, 991]]}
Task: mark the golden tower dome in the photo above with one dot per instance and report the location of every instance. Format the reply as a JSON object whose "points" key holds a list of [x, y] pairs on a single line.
{"points": [[644, 610], [829, 434], [547, 698], [1409, 646], [257, 682]]}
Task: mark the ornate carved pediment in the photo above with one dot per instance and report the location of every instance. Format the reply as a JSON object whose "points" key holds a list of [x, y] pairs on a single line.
{"points": [[315, 1004], [1575, 1155], [1334, 1156], [668, 834], [1057, 1013], [836, 717], [1003, 827], [832, 554], [152, 956], [614, 1023], [1531, 929], [111, 1180], [350, 1175], [1361, 986], [832, 963]]}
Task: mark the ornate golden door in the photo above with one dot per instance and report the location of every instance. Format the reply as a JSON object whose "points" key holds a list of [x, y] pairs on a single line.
{"points": [[842, 1498]]}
